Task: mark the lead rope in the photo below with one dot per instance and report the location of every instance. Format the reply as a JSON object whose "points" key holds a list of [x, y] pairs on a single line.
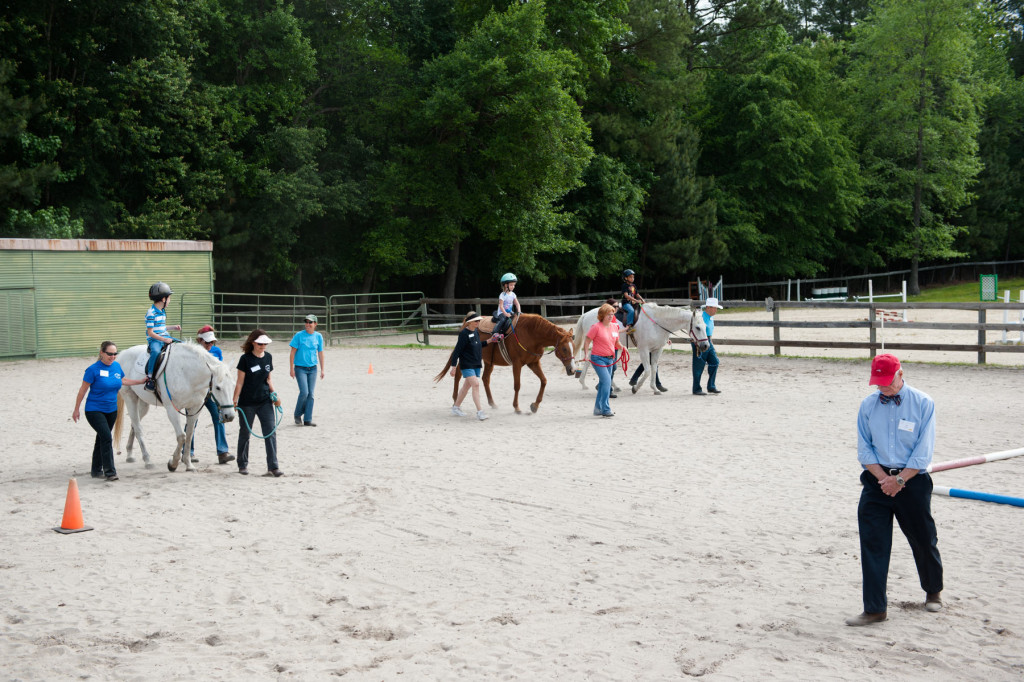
{"points": [[280, 414]]}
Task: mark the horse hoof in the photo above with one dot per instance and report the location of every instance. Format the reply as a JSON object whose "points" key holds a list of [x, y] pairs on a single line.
{"points": [[634, 390], [129, 459], [149, 465], [533, 407], [171, 468]]}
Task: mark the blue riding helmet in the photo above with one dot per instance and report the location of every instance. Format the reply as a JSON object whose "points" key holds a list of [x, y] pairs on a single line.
{"points": [[627, 272], [508, 277]]}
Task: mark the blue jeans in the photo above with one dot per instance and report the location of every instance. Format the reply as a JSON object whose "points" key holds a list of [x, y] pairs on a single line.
{"points": [[103, 448], [630, 313], [912, 508], [306, 377], [710, 359], [154, 351], [604, 366], [218, 430]]}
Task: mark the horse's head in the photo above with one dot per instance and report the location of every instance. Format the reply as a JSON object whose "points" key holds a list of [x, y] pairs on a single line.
{"points": [[565, 352], [222, 388], [697, 330]]}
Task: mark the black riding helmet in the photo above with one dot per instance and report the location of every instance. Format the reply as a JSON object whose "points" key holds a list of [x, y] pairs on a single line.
{"points": [[159, 291]]}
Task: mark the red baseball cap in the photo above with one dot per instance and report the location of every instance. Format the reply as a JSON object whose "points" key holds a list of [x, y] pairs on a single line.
{"points": [[883, 369]]}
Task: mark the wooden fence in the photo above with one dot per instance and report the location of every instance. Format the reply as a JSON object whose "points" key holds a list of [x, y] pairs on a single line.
{"points": [[568, 312]]}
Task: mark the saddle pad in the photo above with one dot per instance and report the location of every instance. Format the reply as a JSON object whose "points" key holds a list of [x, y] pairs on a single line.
{"points": [[486, 325]]}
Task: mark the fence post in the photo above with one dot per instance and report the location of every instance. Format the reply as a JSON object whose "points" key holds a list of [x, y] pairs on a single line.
{"points": [[981, 337], [776, 331], [544, 310], [873, 336], [426, 323]]}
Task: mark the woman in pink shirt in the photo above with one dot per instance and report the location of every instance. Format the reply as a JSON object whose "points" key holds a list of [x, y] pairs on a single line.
{"points": [[606, 341]]}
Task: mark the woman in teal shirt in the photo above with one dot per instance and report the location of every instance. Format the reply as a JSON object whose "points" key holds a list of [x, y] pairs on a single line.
{"points": [[306, 355]]}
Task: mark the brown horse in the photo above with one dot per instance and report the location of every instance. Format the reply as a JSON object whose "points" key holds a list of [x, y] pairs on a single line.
{"points": [[525, 346]]}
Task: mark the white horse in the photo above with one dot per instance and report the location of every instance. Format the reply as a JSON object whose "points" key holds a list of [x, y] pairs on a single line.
{"points": [[190, 374], [654, 324]]}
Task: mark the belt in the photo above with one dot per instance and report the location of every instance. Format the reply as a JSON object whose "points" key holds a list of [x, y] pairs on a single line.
{"points": [[892, 471]]}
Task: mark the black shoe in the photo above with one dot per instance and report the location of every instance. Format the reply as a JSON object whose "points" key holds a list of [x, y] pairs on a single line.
{"points": [[713, 390], [244, 472], [150, 386], [309, 423], [699, 392], [112, 477], [98, 475], [613, 395]]}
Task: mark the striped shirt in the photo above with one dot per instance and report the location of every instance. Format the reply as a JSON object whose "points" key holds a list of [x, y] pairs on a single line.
{"points": [[156, 320]]}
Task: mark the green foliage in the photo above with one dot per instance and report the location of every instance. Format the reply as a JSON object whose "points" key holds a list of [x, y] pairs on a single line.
{"points": [[494, 142], [919, 104], [788, 185]]}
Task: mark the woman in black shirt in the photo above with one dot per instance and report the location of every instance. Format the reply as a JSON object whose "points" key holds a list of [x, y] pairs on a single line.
{"points": [[468, 356], [255, 397]]}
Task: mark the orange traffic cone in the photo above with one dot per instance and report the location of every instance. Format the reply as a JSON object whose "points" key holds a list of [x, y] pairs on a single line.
{"points": [[370, 371], [72, 522]]}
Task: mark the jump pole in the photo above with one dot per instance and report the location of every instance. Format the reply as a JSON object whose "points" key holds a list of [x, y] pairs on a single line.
{"points": [[972, 495], [969, 461]]}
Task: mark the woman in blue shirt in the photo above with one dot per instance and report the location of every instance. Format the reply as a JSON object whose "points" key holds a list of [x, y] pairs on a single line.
{"points": [[102, 380], [306, 355]]}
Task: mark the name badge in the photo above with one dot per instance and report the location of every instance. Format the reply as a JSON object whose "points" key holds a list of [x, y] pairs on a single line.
{"points": [[904, 425], [255, 368], [104, 373]]}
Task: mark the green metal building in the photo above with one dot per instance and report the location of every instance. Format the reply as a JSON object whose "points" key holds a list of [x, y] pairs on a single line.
{"points": [[63, 297]]}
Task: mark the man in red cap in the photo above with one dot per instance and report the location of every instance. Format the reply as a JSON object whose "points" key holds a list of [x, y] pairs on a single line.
{"points": [[895, 440]]}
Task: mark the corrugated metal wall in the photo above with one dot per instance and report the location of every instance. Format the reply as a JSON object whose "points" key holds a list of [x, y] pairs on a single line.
{"points": [[85, 297], [17, 305]]}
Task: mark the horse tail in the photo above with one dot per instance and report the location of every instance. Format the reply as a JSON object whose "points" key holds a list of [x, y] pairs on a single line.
{"points": [[119, 422], [447, 366]]}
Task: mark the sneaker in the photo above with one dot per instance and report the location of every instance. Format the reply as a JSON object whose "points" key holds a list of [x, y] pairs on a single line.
{"points": [[298, 421], [150, 386], [481, 416], [274, 473], [111, 477], [498, 337], [457, 411], [193, 458], [309, 423], [244, 472]]}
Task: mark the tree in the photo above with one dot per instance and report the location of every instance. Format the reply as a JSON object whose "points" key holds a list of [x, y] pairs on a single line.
{"points": [[918, 116], [787, 183], [492, 146]]}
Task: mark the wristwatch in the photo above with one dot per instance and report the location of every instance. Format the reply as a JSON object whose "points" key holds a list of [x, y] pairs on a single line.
{"points": [[899, 479]]}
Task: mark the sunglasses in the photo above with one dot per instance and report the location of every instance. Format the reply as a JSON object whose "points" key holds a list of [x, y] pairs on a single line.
{"points": [[113, 355], [260, 344]]}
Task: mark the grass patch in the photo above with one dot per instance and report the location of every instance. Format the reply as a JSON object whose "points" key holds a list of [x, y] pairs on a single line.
{"points": [[966, 292]]}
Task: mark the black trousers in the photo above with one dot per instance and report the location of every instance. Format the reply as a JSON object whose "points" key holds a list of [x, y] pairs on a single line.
{"points": [[912, 509], [103, 448], [265, 413]]}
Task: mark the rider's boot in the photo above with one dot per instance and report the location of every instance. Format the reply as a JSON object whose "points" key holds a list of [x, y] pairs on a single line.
{"points": [[150, 386]]}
